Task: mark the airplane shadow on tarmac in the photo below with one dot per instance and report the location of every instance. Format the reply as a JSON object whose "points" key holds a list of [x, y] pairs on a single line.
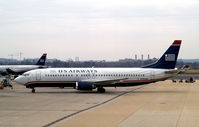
{"points": [[40, 91]]}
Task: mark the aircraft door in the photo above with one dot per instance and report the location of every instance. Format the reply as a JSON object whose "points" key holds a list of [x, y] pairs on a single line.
{"points": [[91, 75], [29, 77], [152, 75], [38, 75]]}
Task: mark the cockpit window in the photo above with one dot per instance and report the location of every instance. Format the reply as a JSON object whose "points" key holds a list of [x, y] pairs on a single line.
{"points": [[25, 74]]}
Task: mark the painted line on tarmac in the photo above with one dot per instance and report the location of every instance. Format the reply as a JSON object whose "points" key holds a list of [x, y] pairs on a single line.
{"points": [[94, 106]]}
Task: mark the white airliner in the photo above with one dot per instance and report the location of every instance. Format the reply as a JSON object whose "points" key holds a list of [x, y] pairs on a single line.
{"points": [[20, 69], [91, 78]]}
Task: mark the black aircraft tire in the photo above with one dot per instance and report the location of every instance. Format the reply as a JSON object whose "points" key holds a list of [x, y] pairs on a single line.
{"points": [[33, 90], [101, 90]]}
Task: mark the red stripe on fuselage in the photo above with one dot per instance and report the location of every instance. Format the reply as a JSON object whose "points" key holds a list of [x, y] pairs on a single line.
{"points": [[125, 81]]}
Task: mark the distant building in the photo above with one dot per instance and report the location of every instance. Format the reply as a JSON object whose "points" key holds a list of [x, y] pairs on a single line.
{"points": [[76, 59], [136, 57], [126, 60]]}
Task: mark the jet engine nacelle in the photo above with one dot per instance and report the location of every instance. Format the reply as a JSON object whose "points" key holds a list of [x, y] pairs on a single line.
{"points": [[84, 86]]}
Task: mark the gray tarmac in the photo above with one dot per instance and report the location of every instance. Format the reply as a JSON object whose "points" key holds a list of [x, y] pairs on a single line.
{"points": [[164, 104], [21, 108]]}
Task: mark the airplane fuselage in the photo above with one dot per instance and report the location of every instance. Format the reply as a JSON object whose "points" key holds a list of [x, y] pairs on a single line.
{"points": [[18, 68], [68, 77]]}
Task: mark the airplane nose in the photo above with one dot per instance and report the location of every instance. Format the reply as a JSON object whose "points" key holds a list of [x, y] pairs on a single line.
{"points": [[21, 80]]}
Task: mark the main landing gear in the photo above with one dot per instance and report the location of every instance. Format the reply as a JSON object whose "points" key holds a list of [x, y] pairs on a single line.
{"points": [[101, 90], [33, 90]]}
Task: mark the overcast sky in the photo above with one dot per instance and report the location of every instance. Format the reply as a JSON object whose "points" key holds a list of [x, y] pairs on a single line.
{"points": [[98, 29]]}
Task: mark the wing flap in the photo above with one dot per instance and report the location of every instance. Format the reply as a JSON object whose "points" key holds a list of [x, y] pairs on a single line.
{"points": [[105, 81]]}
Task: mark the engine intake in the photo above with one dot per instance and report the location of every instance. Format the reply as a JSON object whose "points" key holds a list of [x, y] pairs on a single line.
{"points": [[84, 86]]}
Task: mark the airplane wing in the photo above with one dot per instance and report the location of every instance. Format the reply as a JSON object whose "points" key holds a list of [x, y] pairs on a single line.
{"points": [[105, 81], [12, 72]]}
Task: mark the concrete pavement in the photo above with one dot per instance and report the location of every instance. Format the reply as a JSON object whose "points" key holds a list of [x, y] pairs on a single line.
{"points": [[163, 104]]}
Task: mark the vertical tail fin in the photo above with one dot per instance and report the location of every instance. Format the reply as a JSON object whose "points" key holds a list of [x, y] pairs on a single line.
{"points": [[169, 58], [42, 60]]}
